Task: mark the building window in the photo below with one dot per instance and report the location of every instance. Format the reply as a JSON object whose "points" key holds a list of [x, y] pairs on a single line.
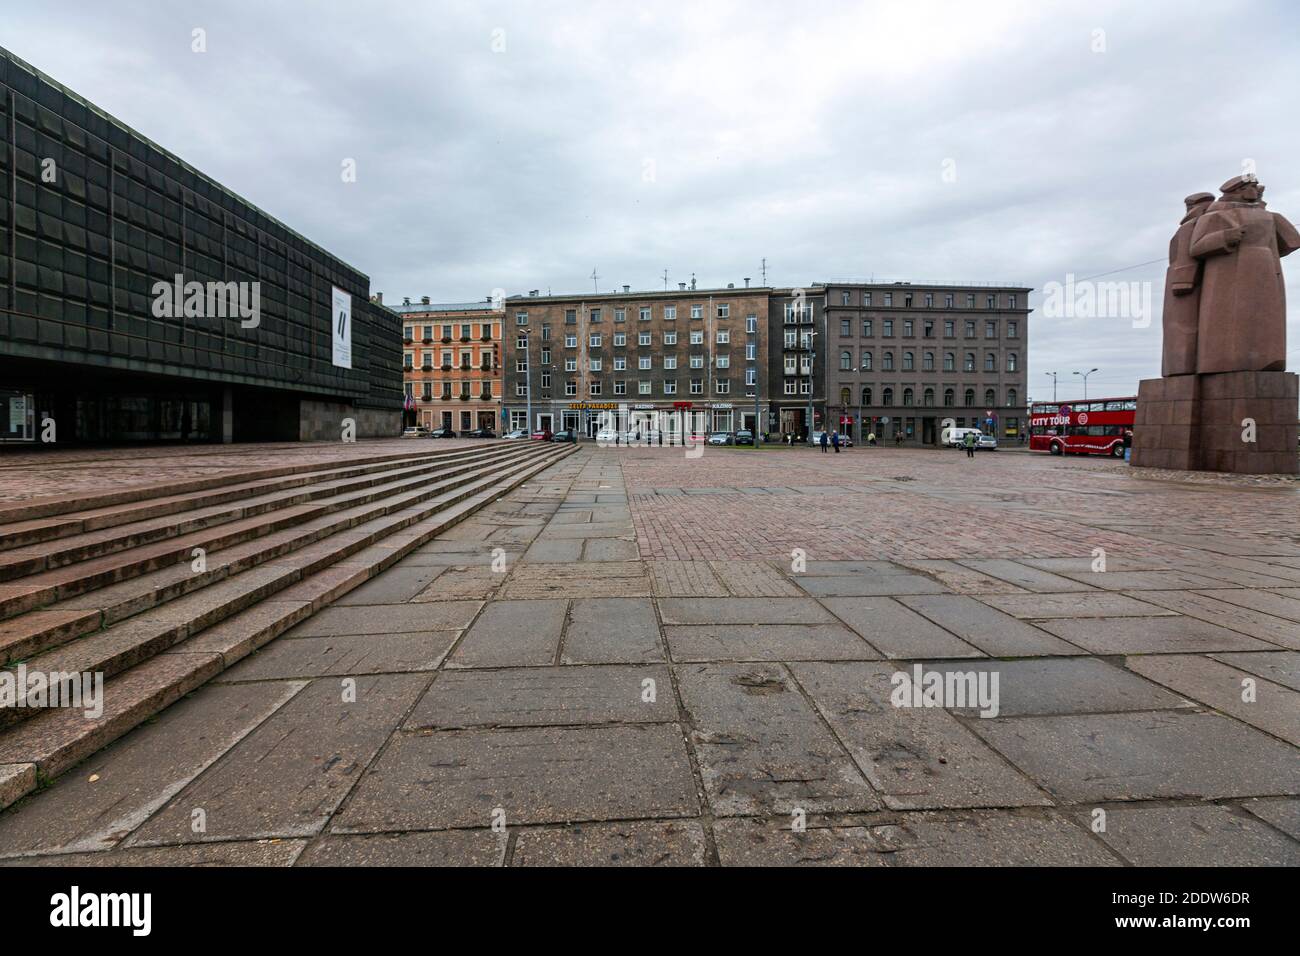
{"points": [[570, 388], [889, 298], [947, 300], [1012, 329], [408, 360], [724, 310], [670, 388], [594, 341], [991, 302], [908, 328], [866, 298], [570, 364], [644, 315], [790, 386], [990, 362], [751, 376], [520, 389], [805, 387], [845, 397], [724, 361], [644, 362], [620, 315], [594, 388], [595, 364], [643, 388], [927, 362], [546, 355], [866, 396], [620, 339], [724, 336], [888, 325], [1011, 399], [929, 300], [929, 328], [620, 363], [697, 312], [521, 318], [697, 337], [697, 361], [970, 329], [570, 316], [570, 341], [928, 397], [846, 362], [866, 328], [948, 397], [670, 313], [949, 362], [844, 296], [670, 361], [887, 397], [990, 330], [990, 397], [949, 329], [620, 388], [866, 361], [670, 338], [907, 396], [751, 351], [546, 380], [1011, 361], [751, 324], [970, 362], [909, 362], [887, 361], [697, 386], [643, 338], [970, 398], [594, 315], [846, 327]]}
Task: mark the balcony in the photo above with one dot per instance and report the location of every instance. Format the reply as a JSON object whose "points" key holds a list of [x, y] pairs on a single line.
{"points": [[464, 396], [446, 396], [445, 339], [446, 366], [486, 397]]}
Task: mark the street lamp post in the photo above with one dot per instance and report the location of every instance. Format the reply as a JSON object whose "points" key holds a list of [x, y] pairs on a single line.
{"points": [[1085, 382], [1053, 374], [812, 379], [528, 387]]}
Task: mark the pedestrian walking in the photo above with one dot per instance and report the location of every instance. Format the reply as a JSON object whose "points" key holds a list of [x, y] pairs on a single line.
{"points": [[871, 439], [969, 441], [835, 441], [825, 441]]}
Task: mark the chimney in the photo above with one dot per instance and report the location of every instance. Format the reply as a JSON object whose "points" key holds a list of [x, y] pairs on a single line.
{"points": [[682, 286], [747, 282], [424, 299], [533, 291], [692, 281], [406, 300], [731, 285], [379, 297], [627, 288]]}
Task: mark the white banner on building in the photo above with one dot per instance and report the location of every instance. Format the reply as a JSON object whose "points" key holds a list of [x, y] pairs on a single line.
{"points": [[342, 322]]}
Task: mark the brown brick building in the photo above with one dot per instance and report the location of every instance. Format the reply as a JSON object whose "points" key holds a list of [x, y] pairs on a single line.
{"points": [[451, 362], [916, 354], [699, 354]]}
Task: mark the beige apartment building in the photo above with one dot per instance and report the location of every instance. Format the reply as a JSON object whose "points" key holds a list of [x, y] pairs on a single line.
{"points": [[451, 364]]}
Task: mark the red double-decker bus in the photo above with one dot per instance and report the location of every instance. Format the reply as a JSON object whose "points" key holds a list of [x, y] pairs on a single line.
{"points": [[1094, 427]]}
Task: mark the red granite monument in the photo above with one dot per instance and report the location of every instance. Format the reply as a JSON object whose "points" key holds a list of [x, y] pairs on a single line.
{"points": [[1225, 401]]}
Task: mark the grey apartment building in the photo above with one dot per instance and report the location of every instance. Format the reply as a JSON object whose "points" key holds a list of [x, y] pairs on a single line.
{"points": [[699, 354], [796, 363], [902, 357]]}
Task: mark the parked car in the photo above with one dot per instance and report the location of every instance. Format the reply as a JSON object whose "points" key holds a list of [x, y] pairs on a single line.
{"points": [[542, 434], [721, 438], [443, 432], [955, 437], [415, 431], [608, 436], [744, 437], [989, 442], [568, 434], [481, 433], [516, 433]]}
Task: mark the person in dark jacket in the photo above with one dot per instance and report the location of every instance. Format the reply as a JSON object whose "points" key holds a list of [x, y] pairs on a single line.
{"points": [[825, 441], [835, 441]]}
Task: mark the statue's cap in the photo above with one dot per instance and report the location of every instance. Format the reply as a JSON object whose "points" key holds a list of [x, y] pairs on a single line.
{"points": [[1195, 198], [1236, 182]]}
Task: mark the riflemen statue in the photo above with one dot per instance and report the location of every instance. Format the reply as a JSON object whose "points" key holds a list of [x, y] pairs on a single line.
{"points": [[1241, 324], [1182, 292]]}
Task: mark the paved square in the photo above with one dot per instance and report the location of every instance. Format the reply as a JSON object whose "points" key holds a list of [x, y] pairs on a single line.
{"points": [[641, 659]]}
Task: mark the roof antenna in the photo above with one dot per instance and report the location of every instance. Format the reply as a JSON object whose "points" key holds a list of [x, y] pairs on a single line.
{"points": [[665, 278], [765, 272], [595, 280]]}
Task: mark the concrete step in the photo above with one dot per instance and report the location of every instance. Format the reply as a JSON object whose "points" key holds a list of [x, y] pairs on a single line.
{"points": [[51, 741], [170, 517], [39, 630], [45, 588]]}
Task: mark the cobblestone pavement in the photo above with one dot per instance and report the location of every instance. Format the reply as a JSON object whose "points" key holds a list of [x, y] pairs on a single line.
{"points": [[622, 662]]}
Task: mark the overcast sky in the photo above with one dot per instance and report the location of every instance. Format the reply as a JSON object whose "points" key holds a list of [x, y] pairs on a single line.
{"points": [[520, 145]]}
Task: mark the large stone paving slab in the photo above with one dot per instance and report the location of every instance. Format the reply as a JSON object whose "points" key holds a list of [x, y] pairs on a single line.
{"points": [[1265, 627], [1281, 667], [772, 842], [767, 642], [534, 775], [988, 629], [863, 585], [991, 839], [1281, 812], [338, 656], [394, 586], [547, 696], [638, 843], [1271, 707], [918, 758], [1023, 576], [318, 743], [897, 631], [390, 619], [611, 631], [100, 803], [1205, 835], [513, 634], [742, 611], [761, 748], [1149, 635], [685, 579], [439, 848], [257, 853], [1166, 754], [753, 579], [1094, 604], [578, 580]]}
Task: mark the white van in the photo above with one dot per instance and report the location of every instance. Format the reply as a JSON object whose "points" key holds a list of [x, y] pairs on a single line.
{"points": [[956, 437]]}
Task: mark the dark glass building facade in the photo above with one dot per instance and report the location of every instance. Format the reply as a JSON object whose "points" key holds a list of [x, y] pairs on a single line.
{"points": [[94, 219]]}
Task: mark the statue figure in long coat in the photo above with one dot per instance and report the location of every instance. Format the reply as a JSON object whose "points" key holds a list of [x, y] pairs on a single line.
{"points": [[1242, 324], [1181, 312]]}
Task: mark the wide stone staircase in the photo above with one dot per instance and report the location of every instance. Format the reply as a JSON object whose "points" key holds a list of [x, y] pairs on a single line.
{"points": [[159, 589]]}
